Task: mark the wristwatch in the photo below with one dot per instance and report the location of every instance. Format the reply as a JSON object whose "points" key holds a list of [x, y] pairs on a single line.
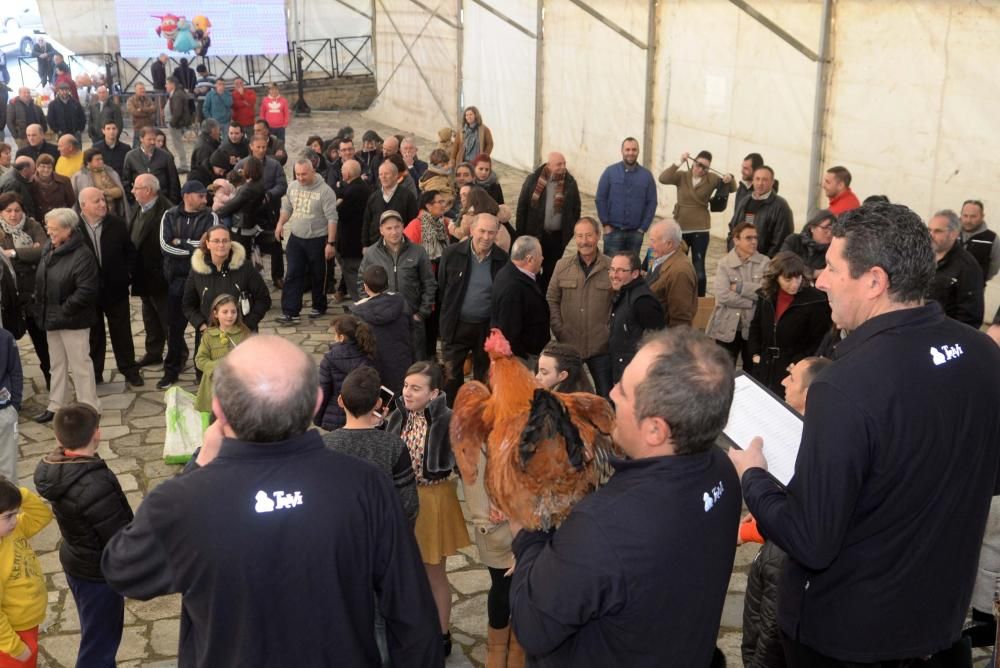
{"points": [[331, 243]]}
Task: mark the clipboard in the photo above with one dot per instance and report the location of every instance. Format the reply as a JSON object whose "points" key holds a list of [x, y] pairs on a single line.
{"points": [[757, 411]]}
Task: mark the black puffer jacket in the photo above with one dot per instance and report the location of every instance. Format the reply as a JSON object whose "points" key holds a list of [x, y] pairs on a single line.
{"points": [[66, 286], [803, 245], [246, 207], [389, 316], [761, 646], [89, 506], [340, 360], [237, 278], [795, 336]]}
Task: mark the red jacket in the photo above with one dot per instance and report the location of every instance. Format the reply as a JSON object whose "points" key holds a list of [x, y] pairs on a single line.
{"points": [[845, 201], [244, 106], [274, 110]]}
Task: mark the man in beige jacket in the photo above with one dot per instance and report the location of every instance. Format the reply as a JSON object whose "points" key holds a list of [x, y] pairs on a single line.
{"points": [[671, 276], [579, 297]]}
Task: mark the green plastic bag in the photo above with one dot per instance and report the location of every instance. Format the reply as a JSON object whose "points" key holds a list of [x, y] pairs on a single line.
{"points": [[185, 426]]}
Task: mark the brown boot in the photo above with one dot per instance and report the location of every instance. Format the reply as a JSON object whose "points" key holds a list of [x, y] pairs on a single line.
{"points": [[496, 647], [515, 653]]}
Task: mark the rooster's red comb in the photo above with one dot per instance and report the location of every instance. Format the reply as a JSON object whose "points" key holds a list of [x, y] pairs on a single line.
{"points": [[497, 344]]}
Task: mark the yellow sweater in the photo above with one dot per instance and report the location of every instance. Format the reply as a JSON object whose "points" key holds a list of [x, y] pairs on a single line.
{"points": [[69, 166], [23, 596]]}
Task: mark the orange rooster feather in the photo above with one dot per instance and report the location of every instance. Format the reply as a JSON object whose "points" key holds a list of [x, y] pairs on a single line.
{"points": [[544, 450]]}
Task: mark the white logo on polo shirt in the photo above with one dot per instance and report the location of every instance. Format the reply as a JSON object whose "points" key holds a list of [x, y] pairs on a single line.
{"points": [[281, 501], [945, 354], [710, 498]]}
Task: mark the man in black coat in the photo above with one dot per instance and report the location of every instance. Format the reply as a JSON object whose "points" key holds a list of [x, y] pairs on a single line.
{"points": [[389, 317], [465, 287], [352, 200], [879, 468], [958, 279], [108, 239], [66, 114], [634, 311], [18, 181], [148, 282], [36, 144], [22, 112], [100, 112], [112, 150], [209, 139], [518, 308], [547, 209], [391, 196], [148, 159], [768, 211]]}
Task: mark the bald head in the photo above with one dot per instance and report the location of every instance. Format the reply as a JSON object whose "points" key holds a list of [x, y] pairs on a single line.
{"points": [[390, 146], [68, 145], [24, 93], [350, 170], [266, 390], [93, 206], [33, 133], [145, 188], [556, 163]]}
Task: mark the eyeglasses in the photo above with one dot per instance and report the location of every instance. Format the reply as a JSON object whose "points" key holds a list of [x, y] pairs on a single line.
{"points": [[222, 242], [619, 270], [824, 226], [702, 165]]}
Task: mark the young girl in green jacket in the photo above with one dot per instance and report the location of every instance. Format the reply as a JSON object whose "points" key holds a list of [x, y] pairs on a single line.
{"points": [[225, 331]]}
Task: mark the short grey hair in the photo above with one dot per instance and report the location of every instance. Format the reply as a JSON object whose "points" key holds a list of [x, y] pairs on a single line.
{"points": [[258, 411], [523, 247], [148, 181], [66, 218], [593, 222], [954, 222], [689, 386], [480, 217], [209, 124], [671, 230]]}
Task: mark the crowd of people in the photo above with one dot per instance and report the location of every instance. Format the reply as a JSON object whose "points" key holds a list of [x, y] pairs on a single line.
{"points": [[424, 259]]}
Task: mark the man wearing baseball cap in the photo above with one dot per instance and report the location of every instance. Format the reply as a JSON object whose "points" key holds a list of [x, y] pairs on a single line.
{"points": [[66, 115], [180, 234]]}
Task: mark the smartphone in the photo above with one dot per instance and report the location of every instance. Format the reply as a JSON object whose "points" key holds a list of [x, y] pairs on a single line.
{"points": [[386, 395]]}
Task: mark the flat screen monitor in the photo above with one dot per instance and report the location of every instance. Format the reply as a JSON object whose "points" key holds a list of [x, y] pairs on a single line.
{"points": [[186, 28]]}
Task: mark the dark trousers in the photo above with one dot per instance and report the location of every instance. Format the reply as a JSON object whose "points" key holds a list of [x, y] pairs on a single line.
{"points": [[600, 370], [102, 616], [279, 133], [305, 256], [552, 252], [469, 337], [177, 350], [156, 321], [120, 328], [698, 243], [432, 326], [798, 655], [349, 275], [41, 344], [739, 348]]}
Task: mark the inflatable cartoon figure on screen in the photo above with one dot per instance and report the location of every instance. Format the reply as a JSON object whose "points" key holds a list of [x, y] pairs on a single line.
{"points": [[185, 36]]}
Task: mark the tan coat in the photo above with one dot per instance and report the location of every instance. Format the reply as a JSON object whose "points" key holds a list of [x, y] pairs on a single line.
{"points": [[676, 286], [691, 210], [580, 306], [142, 111], [485, 144], [735, 291]]}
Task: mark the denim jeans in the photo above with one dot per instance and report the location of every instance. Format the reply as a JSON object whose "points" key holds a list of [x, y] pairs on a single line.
{"points": [[304, 256], [622, 240], [698, 243]]}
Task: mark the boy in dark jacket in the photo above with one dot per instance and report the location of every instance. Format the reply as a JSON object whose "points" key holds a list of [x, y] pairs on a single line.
{"points": [[390, 318], [90, 507]]}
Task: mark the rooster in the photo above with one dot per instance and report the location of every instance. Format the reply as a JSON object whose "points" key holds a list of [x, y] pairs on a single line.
{"points": [[544, 450]]}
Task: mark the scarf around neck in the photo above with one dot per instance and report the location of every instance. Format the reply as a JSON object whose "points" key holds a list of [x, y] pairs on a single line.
{"points": [[540, 185], [470, 139], [433, 235], [21, 238]]}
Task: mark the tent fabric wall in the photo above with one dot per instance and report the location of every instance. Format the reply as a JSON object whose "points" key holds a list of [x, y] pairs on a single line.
{"points": [[419, 93], [731, 86], [499, 75], [595, 84]]}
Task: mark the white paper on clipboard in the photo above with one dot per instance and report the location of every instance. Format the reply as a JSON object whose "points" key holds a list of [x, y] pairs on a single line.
{"points": [[758, 412]]}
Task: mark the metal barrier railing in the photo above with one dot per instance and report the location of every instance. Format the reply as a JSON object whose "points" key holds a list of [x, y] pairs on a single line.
{"points": [[321, 59]]}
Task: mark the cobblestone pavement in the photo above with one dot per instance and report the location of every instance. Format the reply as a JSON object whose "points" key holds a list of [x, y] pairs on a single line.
{"points": [[132, 428]]}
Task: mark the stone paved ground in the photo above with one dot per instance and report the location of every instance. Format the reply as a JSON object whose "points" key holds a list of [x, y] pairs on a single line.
{"points": [[132, 427]]}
